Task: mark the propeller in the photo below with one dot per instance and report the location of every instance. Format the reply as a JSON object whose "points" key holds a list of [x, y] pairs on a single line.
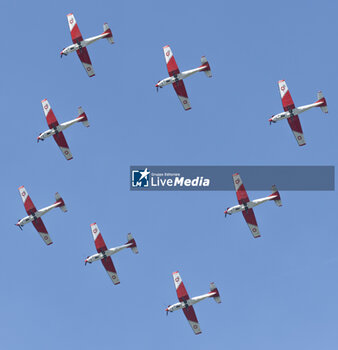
{"points": [[18, 226], [167, 310], [156, 88], [225, 214]]}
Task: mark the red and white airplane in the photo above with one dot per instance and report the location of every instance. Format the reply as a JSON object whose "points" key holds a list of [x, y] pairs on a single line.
{"points": [[103, 253], [34, 215], [186, 303], [291, 112], [79, 44], [176, 77], [56, 128], [245, 205]]}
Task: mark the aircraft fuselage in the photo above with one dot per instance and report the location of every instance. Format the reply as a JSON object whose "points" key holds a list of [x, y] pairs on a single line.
{"points": [[189, 302], [81, 44], [293, 112], [37, 214], [59, 128], [108, 252], [173, 79], [251, 204]]}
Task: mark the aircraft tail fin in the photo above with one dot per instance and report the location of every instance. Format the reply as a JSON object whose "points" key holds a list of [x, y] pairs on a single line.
{"points": [[275, 192], [107, 30], [216, 296], [83, 115], [321, 98], [59, 199], [207, 69], [131, 240]]}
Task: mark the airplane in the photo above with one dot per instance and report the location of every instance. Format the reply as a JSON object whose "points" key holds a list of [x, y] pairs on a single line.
{"points": [[56, 128], [34, 215], [176, 77], [291, 112], [245, 205], [186, 303], [79, 44], [103, 253]]}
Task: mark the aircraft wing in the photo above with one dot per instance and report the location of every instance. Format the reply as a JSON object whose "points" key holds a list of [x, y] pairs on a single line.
{"points": [[98, 239], [101, 247], [182, 94], [62, 143], [182, 293], [189, 313], [74, 29], [86, 62], [40, 227], [110, 268], [49, 114], [170, 61], [77, 38], [27, 202], [296, 128], [241, 193], [250, 219], [285, 95], [288, 105]]}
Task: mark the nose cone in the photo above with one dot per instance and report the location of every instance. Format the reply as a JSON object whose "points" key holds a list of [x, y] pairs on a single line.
{"points": [[157, 85]]}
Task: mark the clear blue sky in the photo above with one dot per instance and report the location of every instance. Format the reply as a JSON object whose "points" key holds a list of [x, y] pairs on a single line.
{"points": [[279, 291]]}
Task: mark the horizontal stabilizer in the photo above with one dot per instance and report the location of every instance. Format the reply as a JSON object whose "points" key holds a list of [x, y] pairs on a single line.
{"points": [[83, 115], [321, 98], [107, 30], [132, 241], [275, 192], [216, 296], [205, 63], [62, 206]]}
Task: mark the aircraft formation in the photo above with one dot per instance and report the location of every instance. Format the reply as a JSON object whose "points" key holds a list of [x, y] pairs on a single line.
{"points": [[176, 77]]}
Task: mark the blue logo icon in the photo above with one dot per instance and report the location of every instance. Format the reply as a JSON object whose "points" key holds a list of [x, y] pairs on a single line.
{"points": [[140, 178]]}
